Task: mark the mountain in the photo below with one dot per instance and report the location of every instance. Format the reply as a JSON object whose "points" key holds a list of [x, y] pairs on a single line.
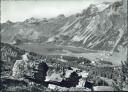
{"points": [[32, 30], [98, 27]]}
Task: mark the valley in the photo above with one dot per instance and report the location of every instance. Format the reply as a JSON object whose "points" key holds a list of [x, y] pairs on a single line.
{"points": [[46, 49], [85, 51]]}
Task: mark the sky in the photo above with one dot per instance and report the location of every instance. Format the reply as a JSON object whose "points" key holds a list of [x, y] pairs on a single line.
{"points": [[20, 10]]}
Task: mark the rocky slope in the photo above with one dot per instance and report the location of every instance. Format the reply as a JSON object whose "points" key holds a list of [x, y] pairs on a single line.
{"points": [[100, 27]]}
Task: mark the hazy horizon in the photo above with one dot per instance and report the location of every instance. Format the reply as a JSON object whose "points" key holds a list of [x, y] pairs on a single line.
{"points": [[21, 10]]}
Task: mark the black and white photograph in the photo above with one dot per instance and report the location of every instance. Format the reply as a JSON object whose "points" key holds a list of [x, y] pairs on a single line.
{"points": [[63, 45]]}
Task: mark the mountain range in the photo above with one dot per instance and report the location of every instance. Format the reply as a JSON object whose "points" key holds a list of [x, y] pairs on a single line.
{"points": [[99, 27]]}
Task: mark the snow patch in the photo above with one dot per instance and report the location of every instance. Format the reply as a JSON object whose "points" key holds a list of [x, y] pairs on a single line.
{"points": [[102, 6]]}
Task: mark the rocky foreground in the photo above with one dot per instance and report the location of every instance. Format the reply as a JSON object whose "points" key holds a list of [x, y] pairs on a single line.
{"points": [[28, 71]]}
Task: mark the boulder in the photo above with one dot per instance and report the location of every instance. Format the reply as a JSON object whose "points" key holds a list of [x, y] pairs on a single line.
{"points": [[54, 77], [19, 69], [32, 70], [81, 83]]}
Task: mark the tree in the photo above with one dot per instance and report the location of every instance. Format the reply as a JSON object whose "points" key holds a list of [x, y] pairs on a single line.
{"points": [[125, 72], [122, 80]]}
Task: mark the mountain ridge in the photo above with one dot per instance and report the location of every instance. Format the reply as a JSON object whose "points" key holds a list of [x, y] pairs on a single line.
{"points": [[99, 27]]}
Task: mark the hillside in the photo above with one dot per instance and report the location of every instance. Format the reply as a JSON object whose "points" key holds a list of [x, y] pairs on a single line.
{"points": [[32, 30], [81, 52], [98, 27], [25, 71]]}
